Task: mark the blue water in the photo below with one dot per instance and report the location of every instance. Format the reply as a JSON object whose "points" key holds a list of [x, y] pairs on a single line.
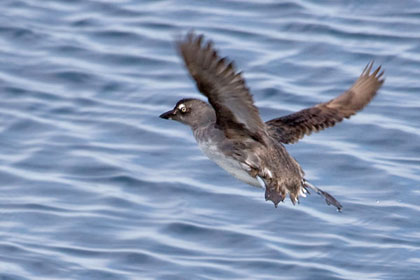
{"points": [[93, 185]]}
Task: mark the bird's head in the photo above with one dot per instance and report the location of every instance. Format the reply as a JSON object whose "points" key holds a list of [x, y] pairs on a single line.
{"points": [[192, 112]]}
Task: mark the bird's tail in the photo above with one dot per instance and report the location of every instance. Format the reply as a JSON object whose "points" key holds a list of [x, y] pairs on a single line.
{"points": [[328, 198]]}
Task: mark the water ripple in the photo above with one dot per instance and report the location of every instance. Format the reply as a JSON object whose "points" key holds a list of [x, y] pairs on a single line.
{"points": [[96, 186]]}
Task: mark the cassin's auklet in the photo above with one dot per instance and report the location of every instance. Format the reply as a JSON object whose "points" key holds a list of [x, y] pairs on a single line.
{"points": [[230, 131]]}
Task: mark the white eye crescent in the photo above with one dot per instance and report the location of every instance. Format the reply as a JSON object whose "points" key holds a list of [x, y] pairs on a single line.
{"points": [[182, 108]]}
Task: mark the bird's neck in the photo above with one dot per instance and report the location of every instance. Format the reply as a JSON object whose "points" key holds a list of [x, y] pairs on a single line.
{"points": [[205, 131], [205, 119]]}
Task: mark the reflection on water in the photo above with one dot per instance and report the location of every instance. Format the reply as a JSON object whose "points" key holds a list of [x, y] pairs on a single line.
{"points": [[95, 186]]}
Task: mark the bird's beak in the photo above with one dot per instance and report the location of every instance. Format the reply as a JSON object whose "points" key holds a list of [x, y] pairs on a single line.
{"points": [[168, 115]]}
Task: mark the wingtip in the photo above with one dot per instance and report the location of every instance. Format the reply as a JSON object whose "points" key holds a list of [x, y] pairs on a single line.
{"points": [[380, 77], [190, 34], [181, 39], [377, 73], [377, 70], [368, 68]]}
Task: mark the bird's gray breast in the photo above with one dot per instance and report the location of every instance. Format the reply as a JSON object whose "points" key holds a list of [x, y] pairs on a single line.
{"points": [[237, 169]]}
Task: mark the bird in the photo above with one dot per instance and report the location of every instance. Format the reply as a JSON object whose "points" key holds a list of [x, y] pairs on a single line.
{"points": [[230, 131]]}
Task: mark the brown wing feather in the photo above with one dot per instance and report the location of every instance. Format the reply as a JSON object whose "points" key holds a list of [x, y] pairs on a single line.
{"points": [[291, 128], [225, 89]]}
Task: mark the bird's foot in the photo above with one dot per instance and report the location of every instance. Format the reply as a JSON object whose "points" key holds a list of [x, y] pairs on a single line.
{"points": [[273, 195]]}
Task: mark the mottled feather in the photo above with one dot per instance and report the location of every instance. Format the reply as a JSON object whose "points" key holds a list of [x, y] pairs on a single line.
{"points": [[291, 128], [225, 89], [230, 131]]}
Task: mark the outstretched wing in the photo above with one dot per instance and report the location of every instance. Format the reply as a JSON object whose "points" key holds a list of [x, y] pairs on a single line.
{"points": [[225, 89], [291, 128]]}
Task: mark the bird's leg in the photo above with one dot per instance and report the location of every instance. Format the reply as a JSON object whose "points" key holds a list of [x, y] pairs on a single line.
{"points": [[329, 199]]}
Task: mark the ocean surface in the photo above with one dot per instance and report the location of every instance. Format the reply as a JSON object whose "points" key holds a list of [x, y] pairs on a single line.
{"points": [[93, 185]]}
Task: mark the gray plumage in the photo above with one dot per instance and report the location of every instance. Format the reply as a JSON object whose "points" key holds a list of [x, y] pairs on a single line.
{"points": [[230, 131]]}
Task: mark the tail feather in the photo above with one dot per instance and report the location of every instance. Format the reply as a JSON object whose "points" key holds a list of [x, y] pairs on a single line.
{"points": [[328, 198]]}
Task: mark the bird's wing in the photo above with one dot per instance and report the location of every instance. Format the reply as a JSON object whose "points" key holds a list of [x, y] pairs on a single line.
{"points": [[225, 89], [291, 128]]}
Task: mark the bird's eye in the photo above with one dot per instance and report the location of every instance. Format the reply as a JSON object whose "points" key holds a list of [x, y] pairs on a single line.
{"points": [[183, 108]]}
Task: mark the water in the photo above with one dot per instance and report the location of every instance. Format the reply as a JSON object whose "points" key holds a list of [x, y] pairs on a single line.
{"points": [[95, 186]]}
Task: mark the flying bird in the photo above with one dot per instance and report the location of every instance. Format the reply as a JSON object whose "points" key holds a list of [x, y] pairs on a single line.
{"points": [[230, 131]]}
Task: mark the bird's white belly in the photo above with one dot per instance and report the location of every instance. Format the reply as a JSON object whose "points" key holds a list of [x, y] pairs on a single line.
{"points": [[232, 166]]}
